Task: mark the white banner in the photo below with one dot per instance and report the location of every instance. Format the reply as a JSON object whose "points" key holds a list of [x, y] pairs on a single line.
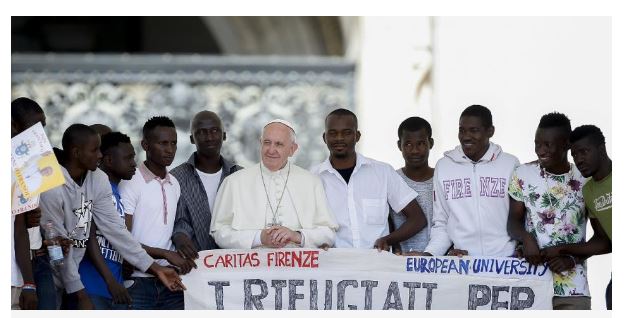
{"points": [[362, 279]]}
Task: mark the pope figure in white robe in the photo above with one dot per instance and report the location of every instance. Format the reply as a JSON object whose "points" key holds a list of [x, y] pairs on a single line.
{"points": [[274, 203]]}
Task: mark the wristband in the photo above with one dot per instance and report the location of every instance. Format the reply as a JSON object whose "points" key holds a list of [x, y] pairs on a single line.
{"points": [[29, 286]]}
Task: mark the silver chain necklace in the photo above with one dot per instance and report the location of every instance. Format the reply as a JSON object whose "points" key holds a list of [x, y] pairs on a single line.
{"points": [[274, 220]]}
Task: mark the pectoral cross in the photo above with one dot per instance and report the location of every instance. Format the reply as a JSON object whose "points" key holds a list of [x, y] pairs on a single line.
{"points": [[274, 222]]}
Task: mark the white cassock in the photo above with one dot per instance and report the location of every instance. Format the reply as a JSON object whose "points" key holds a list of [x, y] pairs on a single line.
{"points": [[241, 210]]}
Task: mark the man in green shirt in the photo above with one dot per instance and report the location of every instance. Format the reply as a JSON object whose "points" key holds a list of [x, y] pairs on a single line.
{"points": [[590, 156]]}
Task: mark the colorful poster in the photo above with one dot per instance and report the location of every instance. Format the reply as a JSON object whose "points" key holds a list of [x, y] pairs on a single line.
{"points": [[35, 168]]}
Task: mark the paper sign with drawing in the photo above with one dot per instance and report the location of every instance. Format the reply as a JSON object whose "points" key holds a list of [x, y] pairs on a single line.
{"points": [[35, 168]]}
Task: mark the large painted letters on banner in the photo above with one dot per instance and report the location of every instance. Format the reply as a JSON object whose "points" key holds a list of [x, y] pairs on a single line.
{"points": [[362, 279]]}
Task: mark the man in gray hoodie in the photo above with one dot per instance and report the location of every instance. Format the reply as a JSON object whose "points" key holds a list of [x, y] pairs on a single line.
{"points": [[87, 194]]}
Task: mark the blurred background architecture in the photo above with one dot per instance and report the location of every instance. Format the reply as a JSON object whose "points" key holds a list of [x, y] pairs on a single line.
{"points": [[120, 71]]}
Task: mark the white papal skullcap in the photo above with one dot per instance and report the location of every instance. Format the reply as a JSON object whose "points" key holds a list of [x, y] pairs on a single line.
{"points": [[281, 121]]}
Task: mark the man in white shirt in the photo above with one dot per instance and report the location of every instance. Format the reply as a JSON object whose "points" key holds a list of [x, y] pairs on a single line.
{"points": [[150, 199], [359, 190], [273, 203]]}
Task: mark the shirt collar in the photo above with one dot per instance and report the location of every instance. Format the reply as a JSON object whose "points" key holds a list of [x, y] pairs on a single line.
{"points": [[282, 172], [360, 161], [226, 165], [148, 176]]}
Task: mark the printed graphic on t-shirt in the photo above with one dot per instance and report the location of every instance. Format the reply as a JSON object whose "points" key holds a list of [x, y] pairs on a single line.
{"points": [[461, 188], [492, 187], [107, 251], [83, 218], [457, 188], [603, 202]]}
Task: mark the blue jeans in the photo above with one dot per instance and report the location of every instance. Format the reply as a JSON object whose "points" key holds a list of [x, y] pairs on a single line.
{"points": [[149, 293], [104, 303], [48, 298]]}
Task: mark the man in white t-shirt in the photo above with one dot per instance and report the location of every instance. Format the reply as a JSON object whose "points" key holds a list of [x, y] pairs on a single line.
{"points": [[150, 200], [199, 178]]}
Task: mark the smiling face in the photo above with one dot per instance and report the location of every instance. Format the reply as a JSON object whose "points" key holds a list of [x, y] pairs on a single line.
{"points": [[551, 146], [474, 136], [161, 145], [415, 147], [341, 135], [277, 146]]}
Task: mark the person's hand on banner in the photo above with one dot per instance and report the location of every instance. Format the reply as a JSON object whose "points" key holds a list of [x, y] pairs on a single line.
{"points": [[382, 244], [457, 252], [415, 253], [325, 246]]}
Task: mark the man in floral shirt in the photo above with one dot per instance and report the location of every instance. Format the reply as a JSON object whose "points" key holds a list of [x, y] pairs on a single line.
{"points": [[547, 209]]}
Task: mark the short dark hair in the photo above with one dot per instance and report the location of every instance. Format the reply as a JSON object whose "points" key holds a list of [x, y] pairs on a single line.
{"points": [[414, 124], [479, 111], [112, 139], [592, 132], [556, 120], [76, 135], [101, 129], [156, 121], [23, 107], [342, 112]]}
